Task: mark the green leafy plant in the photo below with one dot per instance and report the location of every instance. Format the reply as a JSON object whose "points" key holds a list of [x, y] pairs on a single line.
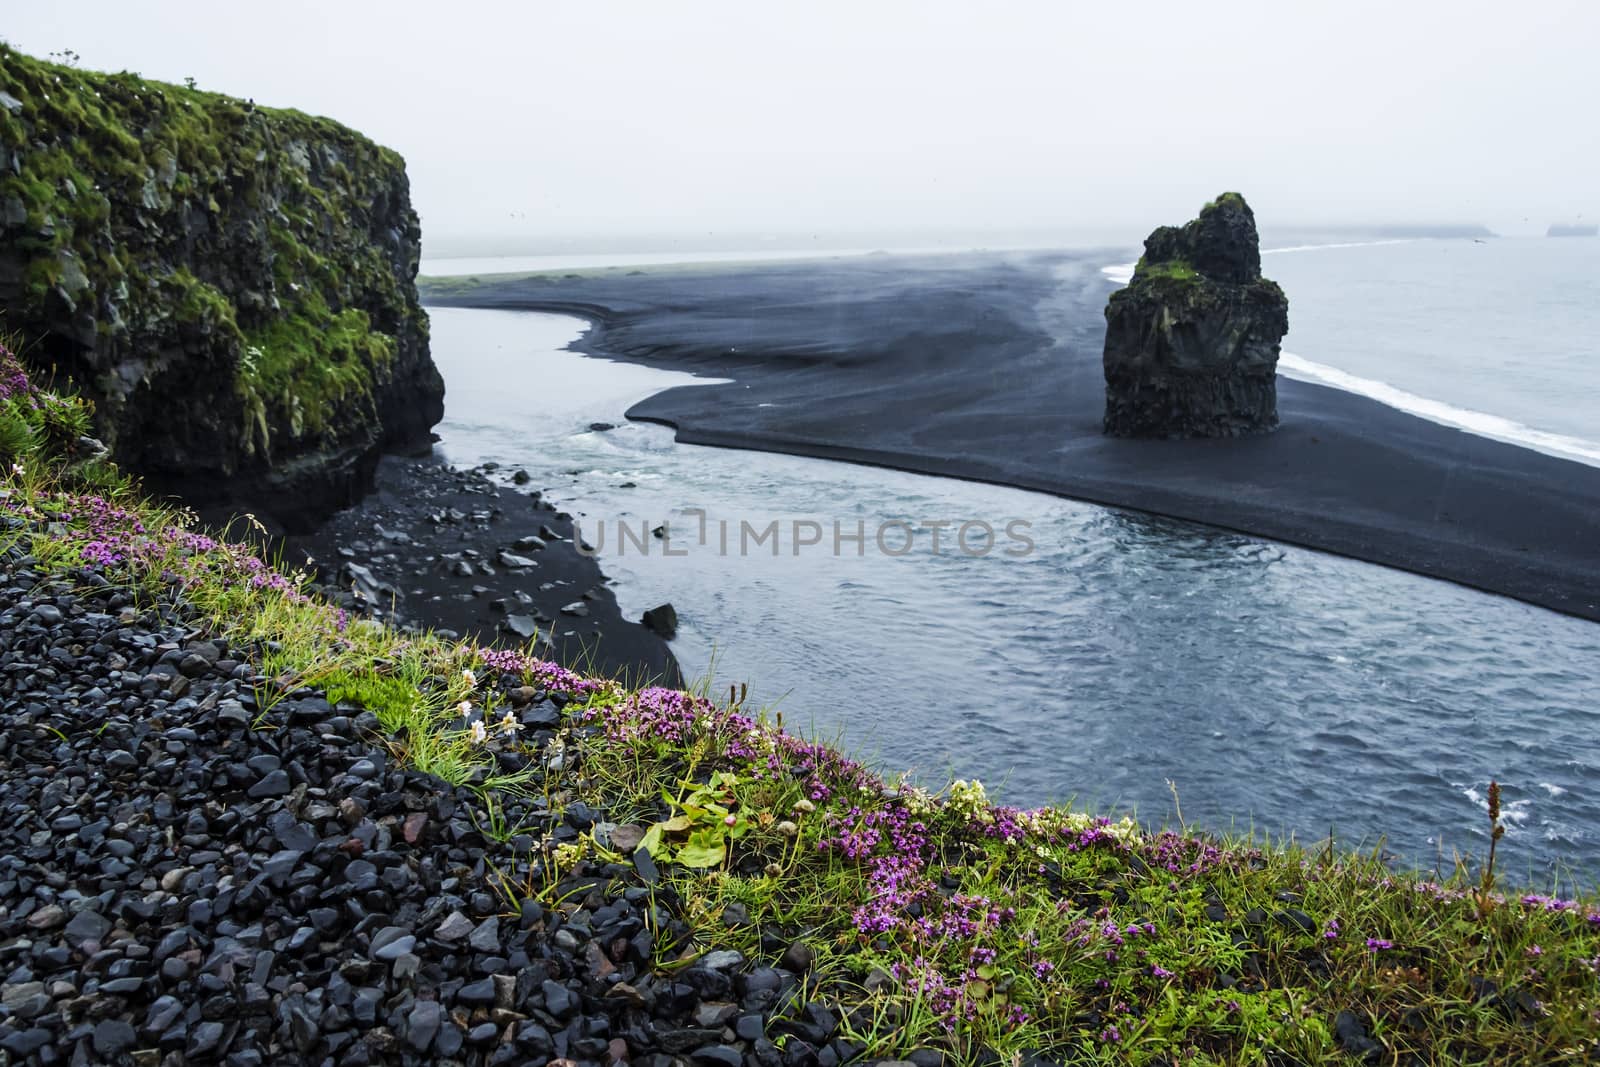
{"points": [[706, 822], [18, 437], [387, 697]]}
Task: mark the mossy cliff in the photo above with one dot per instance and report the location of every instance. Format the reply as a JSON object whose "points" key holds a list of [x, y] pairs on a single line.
{"points": [[232, 285]]}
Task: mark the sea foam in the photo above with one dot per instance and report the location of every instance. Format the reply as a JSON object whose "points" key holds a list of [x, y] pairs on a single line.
{"points": [[1479, 422]]}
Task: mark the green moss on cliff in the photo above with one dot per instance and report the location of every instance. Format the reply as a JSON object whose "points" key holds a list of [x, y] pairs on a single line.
{"points": [[308, 368], [1177, 270], [194, 301], [1235, 199], [1173, 277], [151, 230]]}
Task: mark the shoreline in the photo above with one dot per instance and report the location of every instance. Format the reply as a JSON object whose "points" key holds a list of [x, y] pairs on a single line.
{"points": [[437, 547], [825, 361]]}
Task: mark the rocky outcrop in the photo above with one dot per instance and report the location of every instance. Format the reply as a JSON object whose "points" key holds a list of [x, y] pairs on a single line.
{"points": [[233, 286], [1192, 342]]}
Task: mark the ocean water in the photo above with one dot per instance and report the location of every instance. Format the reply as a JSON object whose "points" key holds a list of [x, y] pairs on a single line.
{"points": [[1123, 657]]}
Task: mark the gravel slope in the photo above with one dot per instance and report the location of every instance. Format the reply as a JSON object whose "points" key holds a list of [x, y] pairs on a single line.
{"points": [[187, 877]]}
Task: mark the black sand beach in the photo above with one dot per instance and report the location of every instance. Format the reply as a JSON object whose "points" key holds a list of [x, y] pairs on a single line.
{"points": [[988, 367], [453, 550]]}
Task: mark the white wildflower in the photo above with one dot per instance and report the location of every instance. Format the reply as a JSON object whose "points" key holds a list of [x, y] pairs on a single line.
{"points": [[1124, 830], [918, 801], [968, 799], [480, 733], [509, 724]]}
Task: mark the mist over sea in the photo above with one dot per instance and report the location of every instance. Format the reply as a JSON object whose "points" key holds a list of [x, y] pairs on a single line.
{"points": [[1274, 686]]}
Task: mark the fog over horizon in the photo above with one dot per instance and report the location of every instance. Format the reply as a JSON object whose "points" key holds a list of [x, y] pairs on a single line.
{"points": [[622, 126]]}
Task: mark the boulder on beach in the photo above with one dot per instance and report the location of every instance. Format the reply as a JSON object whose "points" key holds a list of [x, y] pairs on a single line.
{"points": [[1192, 342], [662, 620]]}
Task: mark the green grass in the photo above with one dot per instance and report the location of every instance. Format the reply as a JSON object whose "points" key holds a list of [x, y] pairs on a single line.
{"points": [[1172, 270], [936, 919]]}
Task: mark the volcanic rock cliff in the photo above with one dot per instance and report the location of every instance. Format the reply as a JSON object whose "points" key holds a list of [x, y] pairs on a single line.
{"points": [[1192, 342], [232, 285]]}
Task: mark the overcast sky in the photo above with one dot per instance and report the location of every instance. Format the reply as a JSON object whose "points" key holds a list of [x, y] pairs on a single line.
{"points": [[549, 122]]}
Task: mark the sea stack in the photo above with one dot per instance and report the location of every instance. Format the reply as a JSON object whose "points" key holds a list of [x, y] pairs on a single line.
{"points": [[1192, 341]]}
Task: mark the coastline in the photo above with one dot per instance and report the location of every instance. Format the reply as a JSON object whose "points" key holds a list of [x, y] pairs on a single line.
{"points": [[826, 359]]}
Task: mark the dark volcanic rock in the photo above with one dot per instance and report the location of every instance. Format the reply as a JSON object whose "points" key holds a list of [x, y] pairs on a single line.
{"points": [[279, 891], [662, 620], [1192, 342], [1351, 1033]]}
